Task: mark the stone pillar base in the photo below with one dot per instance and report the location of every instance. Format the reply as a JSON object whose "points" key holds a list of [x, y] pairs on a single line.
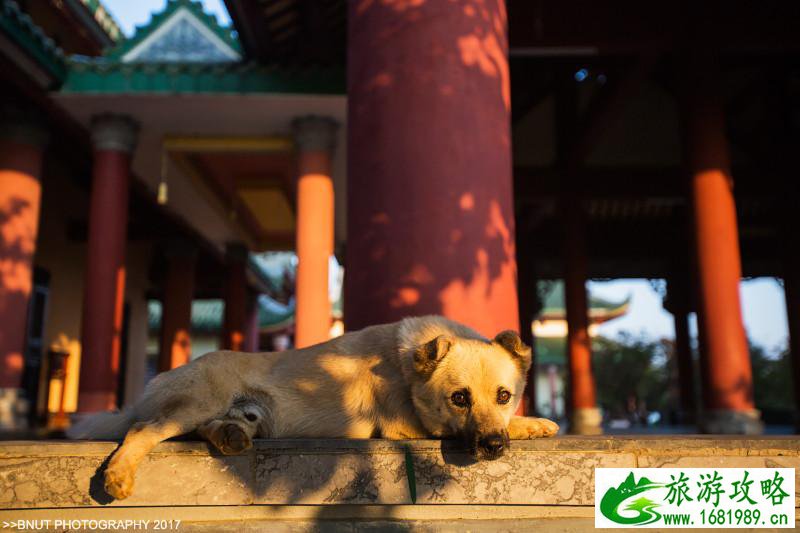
{"points": [[727, 421], [586, 421], [13, 409]]}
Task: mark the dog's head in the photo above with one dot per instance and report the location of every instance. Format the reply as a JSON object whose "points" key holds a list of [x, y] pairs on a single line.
{"points": [[470, 388]]}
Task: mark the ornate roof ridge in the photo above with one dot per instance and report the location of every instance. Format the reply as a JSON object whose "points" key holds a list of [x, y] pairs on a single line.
{"points": [[142, 32]]}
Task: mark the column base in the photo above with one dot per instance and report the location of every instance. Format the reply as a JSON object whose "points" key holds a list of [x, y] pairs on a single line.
{"points": [[586, 421], [730, 422], [13, 409]]}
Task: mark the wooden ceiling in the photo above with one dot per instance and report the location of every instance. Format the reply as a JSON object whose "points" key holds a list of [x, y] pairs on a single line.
{"points": [[638, 214], [249, 180], [292, 32]]}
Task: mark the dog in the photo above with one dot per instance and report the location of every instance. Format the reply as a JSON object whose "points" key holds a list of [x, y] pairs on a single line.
{"points": [[424, 377]]}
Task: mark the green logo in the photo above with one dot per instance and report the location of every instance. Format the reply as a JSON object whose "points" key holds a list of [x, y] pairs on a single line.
{"points": [[645, 508]]}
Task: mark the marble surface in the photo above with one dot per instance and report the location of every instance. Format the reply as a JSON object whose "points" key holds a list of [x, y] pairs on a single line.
{"points": [[548, 472]]}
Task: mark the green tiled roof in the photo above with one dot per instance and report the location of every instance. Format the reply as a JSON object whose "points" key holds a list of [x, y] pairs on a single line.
{"points": [[599, 308], [550, 351], [21, 29], [207, 315], [87, 75]]}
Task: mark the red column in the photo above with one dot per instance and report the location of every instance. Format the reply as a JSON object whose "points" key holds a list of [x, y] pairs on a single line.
{"points": [[584, 415], [430, 215], [315, 138], [234, 325], [114, 138], [678, 304], [176, 316], [727, 372], [21, 149]]}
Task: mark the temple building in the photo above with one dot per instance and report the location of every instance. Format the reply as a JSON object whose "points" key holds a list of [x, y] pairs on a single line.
{"points": [[550, 330], [450, 155]]}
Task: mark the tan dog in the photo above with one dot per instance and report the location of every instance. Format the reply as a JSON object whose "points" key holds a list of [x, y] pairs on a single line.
{"points": [[418, 378]]}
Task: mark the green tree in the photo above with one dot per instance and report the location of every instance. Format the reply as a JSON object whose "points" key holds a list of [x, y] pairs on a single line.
{"points": [[631, 374], [772, 384]]}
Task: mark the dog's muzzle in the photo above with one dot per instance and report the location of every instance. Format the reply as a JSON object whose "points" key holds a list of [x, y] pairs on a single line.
{"points": [[490, 446]]}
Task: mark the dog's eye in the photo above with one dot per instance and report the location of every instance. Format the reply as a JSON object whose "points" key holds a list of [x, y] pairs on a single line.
{"points": [[459, 399], [251, 417], [503, 396]]}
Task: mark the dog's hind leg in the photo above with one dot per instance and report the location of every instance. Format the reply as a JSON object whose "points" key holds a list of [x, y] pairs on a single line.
{"points": [[182, 417], [234, 432], [228, 436]]}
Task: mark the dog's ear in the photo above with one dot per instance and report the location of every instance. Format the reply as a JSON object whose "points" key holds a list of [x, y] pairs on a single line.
{"points": [[520, 351], [428, 355]]}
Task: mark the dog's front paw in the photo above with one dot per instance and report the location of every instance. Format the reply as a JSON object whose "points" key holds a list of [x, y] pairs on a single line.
{"points": [[522, 427], [119, 482], [548, 428], [233, 440]]}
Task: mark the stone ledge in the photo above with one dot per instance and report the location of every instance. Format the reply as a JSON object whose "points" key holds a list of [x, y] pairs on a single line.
{"points": [[550, 478], [648, 445]]}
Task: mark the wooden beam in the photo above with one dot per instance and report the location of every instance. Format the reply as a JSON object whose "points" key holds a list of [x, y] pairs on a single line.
{"points": [[588, 27], [248, 19], [269, 144], [639, 182], [601, 182]]}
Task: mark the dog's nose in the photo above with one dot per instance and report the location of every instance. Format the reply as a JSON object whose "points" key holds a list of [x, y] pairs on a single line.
{"points": [[492, 444]]}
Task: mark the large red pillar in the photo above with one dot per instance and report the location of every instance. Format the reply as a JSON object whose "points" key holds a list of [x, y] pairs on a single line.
{"points": [[21, 149], [234, 325], [585, 417], [176, 304], [315, 138], [114, 138], [429, 197], [727, 373]]}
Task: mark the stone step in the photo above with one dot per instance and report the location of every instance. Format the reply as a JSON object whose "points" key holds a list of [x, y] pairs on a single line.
{"points": [[297, 481]]}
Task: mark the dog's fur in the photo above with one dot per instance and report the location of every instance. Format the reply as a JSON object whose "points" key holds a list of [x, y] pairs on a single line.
{"points": [[396, 381]]}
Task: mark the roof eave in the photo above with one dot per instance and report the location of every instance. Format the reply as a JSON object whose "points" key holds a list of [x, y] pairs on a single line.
{"points": [[26, 38], [111, 77], [97, 20]]}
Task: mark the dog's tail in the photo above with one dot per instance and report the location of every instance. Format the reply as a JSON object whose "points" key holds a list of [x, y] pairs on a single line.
{"points": [[103, 426]]}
